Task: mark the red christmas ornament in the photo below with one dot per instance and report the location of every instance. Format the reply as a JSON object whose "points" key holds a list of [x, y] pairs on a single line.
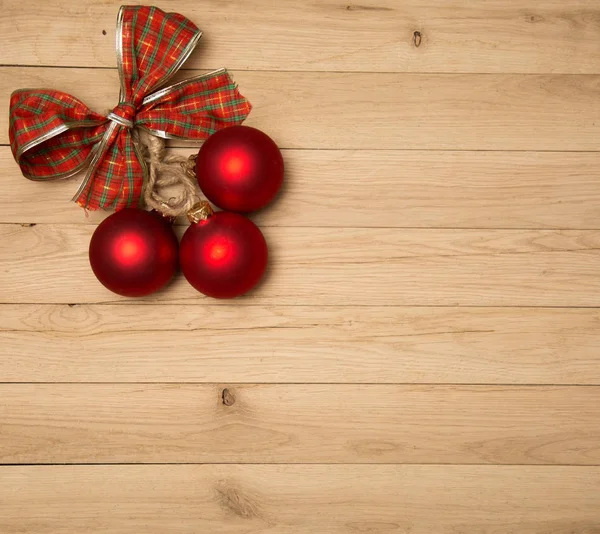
{"points": [[133, 253], [239, 169], [222, 254], [169, 220]]}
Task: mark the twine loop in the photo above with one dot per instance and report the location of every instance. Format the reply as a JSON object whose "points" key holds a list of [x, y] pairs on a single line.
{"points": [[166, 171]]}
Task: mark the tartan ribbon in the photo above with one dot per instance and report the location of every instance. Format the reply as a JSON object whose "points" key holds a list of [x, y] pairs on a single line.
{"points": [[54, 135]]}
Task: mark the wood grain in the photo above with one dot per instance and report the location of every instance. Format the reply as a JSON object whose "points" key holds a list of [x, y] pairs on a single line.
{"points": [[350, 266], [233, 343], [158, 423], [387, 111], [372, 35], [433, 295], [260, 499], [349, 188]]}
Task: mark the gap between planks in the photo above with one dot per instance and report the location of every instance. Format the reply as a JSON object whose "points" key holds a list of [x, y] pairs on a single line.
{"points": [[325, 464]]}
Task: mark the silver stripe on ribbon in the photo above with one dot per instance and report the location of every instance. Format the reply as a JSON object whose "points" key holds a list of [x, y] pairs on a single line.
{"points": [[157, 95], [120, 120], [119, 46], [52, 133]]}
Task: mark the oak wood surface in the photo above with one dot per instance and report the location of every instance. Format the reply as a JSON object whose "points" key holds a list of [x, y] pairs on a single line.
{"points": [[335, 110], [233, 343], [301, 499], [432, 297], [345, 267], [370, 35], [380, 188], [175, 423]]}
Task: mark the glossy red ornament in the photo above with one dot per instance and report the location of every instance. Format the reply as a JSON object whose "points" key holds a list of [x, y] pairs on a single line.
{"points": [[133, 253], [222, 254], [239, 169]]}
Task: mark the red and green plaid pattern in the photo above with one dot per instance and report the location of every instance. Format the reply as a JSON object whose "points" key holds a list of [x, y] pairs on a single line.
{"points": [[53, 134], [214, 103], [33, 114]]}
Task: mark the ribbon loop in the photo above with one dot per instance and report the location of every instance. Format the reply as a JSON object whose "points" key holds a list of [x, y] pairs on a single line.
{"points": [[54, 135]]}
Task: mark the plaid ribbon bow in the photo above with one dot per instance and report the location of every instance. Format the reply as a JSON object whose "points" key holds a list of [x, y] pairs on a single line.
{"points": [[54, 135]]}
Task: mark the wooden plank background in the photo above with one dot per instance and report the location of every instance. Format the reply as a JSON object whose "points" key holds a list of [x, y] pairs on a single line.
{"points": [[228, 499], [126, 423], [341, 110], [424, 353], [546, 36], [290, 344], [413, 188]]}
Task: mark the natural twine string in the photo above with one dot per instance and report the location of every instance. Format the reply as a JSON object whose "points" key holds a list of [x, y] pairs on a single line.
{"points": [[166, 171]]}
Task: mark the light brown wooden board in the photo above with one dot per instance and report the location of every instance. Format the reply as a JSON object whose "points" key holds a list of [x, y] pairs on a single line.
{"points": [[233, 343], [407, 169], [303, 499], [374, 188], [387, 111], [160, 423], [349, 267], [370, 35]]}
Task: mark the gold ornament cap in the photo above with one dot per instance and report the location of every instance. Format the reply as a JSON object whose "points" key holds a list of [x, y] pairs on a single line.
{"points": [[200, 212]]}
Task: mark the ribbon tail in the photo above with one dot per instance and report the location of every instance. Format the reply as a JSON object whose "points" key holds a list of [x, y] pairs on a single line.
{"points": [[134, 173], [81, 197]]}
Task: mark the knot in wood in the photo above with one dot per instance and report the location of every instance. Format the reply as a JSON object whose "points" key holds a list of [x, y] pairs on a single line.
{"points": [[227, 397], [417, 37]]}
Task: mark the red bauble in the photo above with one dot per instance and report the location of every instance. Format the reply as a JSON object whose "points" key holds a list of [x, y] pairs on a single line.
{"points": [[239, 169], [133, 253], [222, 254], [167, 219]]}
